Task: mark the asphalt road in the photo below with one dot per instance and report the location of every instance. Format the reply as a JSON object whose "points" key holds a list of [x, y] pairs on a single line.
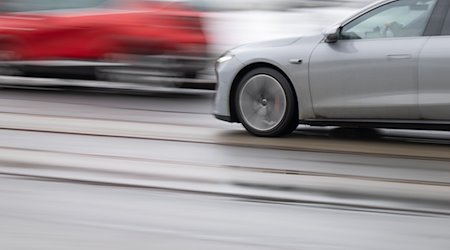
{"points": [[155, 170], [39, 214]]}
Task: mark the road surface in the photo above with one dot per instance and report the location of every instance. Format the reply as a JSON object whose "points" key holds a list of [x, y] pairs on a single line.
{"points": [[155, 170]]}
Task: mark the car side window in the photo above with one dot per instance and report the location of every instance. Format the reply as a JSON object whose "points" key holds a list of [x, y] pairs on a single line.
{"points": [[403, 18]]}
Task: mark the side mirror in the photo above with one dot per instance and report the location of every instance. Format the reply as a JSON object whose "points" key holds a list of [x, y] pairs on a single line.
{"points": [[332, 38], [333, 35]]}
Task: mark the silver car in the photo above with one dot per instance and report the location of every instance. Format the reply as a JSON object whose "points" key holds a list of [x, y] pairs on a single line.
{"points": [[387, 66]]}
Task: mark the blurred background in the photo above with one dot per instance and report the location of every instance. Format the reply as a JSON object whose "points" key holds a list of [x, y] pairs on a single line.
{"points": [[144, 41], [107, 139]]}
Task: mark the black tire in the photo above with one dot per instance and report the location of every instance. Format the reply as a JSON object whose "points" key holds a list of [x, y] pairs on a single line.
{"points": [[266, 104]]}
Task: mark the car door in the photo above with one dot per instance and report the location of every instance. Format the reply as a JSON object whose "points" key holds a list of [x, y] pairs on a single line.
{"points": [[371, 71], [434, 74]]}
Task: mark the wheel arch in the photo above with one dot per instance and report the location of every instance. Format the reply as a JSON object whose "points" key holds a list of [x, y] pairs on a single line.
{"points": [[242, 73]]}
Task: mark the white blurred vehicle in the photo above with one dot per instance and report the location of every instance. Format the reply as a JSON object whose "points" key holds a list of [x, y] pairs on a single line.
{"points": [[216, 5]]}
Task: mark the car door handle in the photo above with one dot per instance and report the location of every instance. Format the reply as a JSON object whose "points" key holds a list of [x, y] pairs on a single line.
{"points": [[296, 61], [399, 56]]}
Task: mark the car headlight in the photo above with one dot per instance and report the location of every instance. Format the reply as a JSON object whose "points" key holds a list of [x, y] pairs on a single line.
{"points": [[224, 58]]}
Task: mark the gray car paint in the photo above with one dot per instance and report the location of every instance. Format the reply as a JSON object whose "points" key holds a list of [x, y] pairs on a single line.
{"points": [[434, 79], [360, 78]]}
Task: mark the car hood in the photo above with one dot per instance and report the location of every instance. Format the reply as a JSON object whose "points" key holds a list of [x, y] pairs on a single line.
{"points": [[268, 44], [277, 52]]}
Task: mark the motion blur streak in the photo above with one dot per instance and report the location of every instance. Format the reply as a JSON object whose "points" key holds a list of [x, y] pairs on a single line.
{"points": [[105, 34]]}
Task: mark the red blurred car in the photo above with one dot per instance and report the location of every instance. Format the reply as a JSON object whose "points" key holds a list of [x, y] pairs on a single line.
{"points": [[100, 33]]}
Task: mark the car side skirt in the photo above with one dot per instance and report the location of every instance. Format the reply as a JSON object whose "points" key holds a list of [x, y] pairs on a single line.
{"points": [[392, 124]]}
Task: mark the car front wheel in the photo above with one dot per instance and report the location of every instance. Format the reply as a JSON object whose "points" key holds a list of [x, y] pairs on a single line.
{"points": [[265, 103]]}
